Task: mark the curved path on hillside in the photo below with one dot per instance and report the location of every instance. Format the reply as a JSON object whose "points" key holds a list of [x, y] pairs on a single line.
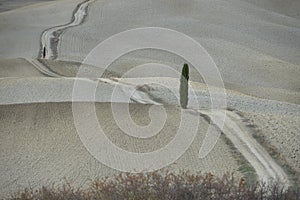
{"points": [[266, 168], [44, 70], [50, 37]]}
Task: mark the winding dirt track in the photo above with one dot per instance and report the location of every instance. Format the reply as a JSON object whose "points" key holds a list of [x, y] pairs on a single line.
{"points": [[266, 168], [44, 70], [50, 37]]}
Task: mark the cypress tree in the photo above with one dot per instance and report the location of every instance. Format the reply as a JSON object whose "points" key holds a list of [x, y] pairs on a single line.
{"points": [[44, 52], [183, 90]]}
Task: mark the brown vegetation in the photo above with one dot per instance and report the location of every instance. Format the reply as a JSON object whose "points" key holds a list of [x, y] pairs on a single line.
{"points": [[158, 185]]}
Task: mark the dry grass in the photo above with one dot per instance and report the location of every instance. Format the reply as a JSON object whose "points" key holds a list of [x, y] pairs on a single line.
{"points": [[164, 185]]}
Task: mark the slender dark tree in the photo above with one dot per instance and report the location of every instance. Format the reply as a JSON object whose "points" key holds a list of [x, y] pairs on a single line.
{"points": [[44, 52], [184, 88]]}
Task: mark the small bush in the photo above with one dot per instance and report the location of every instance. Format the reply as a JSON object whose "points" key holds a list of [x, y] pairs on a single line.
{"points": [[158, 185]]}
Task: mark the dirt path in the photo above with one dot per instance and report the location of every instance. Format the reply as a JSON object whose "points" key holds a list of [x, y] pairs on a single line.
{"points": [[50, 37], [266, 168], [44, 70]]}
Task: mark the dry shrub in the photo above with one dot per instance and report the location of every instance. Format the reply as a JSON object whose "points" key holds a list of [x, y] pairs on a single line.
{"points": [[165, 185]]}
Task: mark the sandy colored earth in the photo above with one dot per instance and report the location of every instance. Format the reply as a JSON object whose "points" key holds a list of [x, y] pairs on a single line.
{"points": [[237, 43], [40, 145], [255, 45], [6, 5], [17, 68]]}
